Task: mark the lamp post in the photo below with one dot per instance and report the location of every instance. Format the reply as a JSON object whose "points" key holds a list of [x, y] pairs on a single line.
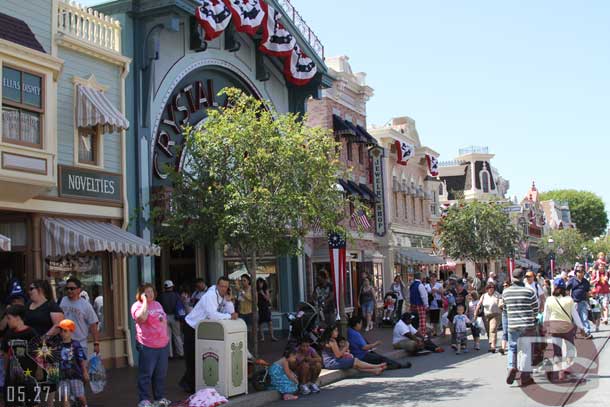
{"points": [[586, 256], [551, 243]]}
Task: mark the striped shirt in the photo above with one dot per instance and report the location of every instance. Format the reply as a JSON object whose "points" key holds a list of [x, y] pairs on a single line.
{"points": [[521, 306]]}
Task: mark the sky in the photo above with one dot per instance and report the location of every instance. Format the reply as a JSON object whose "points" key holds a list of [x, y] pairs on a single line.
{"points": [[530, 80]]}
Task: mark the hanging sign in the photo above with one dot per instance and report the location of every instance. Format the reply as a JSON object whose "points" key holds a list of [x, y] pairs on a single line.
{"points": [[376, 154]]}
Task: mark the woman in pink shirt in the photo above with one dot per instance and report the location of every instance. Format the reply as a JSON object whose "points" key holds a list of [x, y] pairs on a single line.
{"points": [[152, 345]]}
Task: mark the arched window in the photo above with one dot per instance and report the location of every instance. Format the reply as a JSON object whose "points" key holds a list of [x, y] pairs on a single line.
{"points": [[485, 181]]}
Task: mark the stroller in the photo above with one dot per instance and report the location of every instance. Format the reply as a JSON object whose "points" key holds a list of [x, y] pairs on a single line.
{"points": [[390, 316], [305, 322]]}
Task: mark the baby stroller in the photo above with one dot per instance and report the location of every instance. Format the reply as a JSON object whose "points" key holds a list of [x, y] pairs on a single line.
{"points": [[305, 322], [390, 315]]}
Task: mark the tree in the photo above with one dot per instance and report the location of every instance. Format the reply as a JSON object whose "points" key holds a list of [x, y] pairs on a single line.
{"points": [[477, 231], [587, 209], [255, 180], [567, 246]]}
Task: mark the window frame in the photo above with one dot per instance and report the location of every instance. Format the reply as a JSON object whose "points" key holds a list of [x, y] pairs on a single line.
{"points": [[349, 151], [28, 108], [96, 144]]}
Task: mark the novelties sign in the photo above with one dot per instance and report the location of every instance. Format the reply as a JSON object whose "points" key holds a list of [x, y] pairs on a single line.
{"points": [[89, 184]]}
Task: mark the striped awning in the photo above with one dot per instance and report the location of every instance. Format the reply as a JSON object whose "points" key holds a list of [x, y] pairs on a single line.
{"points": [[93, 108], [5, 244], [70, 236], [411, 255]]}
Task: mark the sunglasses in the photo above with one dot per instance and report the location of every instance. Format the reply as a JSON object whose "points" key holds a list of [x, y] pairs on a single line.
{"points": [[71, 288]]}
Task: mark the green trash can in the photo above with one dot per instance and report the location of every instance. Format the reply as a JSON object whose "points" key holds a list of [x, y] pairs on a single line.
{"points": [[221, 356]]}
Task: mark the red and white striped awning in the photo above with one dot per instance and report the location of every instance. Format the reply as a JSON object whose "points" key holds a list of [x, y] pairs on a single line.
{"points": [[93, 108], [5, 244], [71, 236]]}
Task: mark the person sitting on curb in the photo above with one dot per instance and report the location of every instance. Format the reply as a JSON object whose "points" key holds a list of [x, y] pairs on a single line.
{"points": [[405, 336], [307, 365], [364, 351], [339, 358], [284, 380]]}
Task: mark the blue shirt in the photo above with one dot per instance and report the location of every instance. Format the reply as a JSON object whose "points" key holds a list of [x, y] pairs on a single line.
{"points": [[356, 343], [579, 289]]}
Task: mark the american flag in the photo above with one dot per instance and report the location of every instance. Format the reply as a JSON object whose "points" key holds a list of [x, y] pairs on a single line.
{"points": [[361, 219], [338, 260], [315, 226]]}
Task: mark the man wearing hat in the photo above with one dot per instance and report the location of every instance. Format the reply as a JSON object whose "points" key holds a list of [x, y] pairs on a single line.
{"points": [[169, 301], [521, 306]]}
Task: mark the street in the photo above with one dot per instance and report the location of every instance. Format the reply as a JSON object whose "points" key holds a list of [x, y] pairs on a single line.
{"points": [[471, 379]]}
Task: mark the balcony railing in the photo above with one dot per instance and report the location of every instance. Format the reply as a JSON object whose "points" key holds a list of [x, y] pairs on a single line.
{"points": [[88, 25], [298, 21], [474, 150]]}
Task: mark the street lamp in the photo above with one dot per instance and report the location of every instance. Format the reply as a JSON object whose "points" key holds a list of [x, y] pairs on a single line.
{"points": [[551, 243], [585, 250]]}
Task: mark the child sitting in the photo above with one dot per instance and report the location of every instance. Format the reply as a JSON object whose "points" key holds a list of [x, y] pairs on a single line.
{"points": [[72, 366], [460, 325], [283, 379], [389, 305]]}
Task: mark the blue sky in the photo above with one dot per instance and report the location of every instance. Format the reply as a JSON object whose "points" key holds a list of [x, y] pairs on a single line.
{"points": [[531, 80]]}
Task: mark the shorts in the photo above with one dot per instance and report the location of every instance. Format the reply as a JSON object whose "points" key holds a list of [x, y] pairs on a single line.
{"points": [[71, 388], [367, 307], [596, 315], [460, 337], [339, 364], [604, 299]]}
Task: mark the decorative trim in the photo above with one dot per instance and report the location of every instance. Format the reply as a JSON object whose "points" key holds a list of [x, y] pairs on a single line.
{"points": [[90, 82], [24, 169], [71, 42], [31, 56]]}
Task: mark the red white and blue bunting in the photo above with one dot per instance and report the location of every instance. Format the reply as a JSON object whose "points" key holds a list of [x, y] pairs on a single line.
{"points": [[432, 165], [248, 16]]}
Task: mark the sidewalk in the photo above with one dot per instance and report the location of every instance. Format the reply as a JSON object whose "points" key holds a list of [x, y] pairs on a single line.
{"points": [[121, 388]]}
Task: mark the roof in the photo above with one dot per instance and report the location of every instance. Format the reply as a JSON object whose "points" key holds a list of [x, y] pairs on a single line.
{"points": [[14, 30]]}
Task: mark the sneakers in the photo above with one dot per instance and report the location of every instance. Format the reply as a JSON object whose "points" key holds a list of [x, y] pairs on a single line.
{"points": [[162, 403], [305, 390], [465, 351], [314, 388], [145, 403]]}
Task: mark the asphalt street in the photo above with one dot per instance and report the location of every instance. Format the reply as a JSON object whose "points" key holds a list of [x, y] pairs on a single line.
{"points": [[471, 379]]}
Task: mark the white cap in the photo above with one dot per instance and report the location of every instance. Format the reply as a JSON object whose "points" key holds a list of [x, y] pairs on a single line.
{"points": [[168, 284], [571, 273]]}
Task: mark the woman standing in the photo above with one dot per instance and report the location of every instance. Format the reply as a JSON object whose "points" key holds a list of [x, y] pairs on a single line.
{"points": [[245, 300], [264, 309], [491, 303], [561, 318], [399, 288], [152, 345], [367, 302], [43, 315]]}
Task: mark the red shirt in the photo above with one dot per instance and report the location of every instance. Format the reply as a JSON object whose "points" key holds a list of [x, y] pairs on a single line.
{"points": [[602, 288]]}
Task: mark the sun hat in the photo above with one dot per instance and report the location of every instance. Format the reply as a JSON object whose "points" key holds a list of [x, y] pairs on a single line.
{"points": [[68, 325]]}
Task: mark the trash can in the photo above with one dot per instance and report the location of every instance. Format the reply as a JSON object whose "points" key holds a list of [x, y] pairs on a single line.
{"points": [[221, 349]]}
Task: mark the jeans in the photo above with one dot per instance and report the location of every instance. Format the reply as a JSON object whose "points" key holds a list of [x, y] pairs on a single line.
{"points": [[175, 337], [504, 326], [583, 311], [376, 359], [152, 369], [513, 337]]}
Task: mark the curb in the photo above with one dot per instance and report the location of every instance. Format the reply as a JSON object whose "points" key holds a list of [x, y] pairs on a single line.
{"points": [[262, 398]]}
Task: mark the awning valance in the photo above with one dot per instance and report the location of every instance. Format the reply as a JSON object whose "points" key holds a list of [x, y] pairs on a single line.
{"points": [[358, 133], [5, 244], [411, 255], [360, 190], [70, 236], [528, 264], [93, 108]]}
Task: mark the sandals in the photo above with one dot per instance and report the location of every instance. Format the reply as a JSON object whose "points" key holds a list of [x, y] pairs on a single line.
{"points": [[288, 396]]}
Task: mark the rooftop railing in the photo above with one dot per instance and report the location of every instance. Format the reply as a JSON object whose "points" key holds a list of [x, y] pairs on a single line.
{"points": [[88, 25], [474, 150], [300, 23]]}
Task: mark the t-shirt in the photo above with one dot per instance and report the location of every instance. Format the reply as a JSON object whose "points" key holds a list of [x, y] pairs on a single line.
{"points": [[16, 343], [602, 287], [459, 323], [151, 333], [39, 319], [310, 353], [169, 300], [356, 343], [72, 354], [400, 329], [83, 315]]}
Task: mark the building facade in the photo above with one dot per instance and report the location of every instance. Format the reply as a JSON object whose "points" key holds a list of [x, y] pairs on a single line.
{"points": [[411, 202], [63, 164], [557, 215], [342, 108]]}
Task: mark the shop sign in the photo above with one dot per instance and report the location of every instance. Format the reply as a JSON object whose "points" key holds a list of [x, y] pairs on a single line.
{"points": [[376, 154], [89, 184], [21, 87]]}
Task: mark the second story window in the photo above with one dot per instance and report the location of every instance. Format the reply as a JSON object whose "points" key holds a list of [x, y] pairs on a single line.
{"points": [[22, 107], [349, 151], [361, 153], [87, 145]]}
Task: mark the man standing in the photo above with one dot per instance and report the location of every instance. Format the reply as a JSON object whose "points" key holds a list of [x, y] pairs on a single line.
{"points": [[531, 282], [169, 300], [419, 301], [477, 282], [435, 290], [200, 289], [580, 294], [82, 313], [521, 307], [210, 307]]}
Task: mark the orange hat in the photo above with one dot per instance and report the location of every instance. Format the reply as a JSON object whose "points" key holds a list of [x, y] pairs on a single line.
{"points": [[68, 325]]}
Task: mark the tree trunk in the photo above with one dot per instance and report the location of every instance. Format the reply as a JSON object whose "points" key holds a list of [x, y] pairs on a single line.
{"points": [[254, 305]]}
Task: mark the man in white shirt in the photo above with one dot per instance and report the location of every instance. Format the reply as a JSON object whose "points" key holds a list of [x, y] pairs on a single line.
{"points": [[405, 336], [210, 307]]}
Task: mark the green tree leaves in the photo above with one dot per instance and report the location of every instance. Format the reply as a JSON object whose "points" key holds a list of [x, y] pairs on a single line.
{"points": [[567, 245], [587, 209]]}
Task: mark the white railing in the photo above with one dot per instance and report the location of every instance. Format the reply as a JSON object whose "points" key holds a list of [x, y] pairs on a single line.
{"points": [[474, 150], [298, 21], [88, 25]]}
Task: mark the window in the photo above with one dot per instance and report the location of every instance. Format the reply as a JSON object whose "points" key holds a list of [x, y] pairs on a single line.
{"points": [[423, 213], [485, 181], [440, 189], [22, 107], [395, 204], [94, 274], [404, 204], [361, 153], [87, 145], [378, 280], [413, 209], [349, 151]]}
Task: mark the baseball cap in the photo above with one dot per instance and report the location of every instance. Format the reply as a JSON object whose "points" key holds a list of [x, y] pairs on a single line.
{"points": [[168, 284], [559, 283], [68, 325]]}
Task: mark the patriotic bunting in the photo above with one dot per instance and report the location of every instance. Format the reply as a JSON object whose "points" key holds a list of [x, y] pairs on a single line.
{"points": [[336, 246], [299, 68], [248, 15], [277, 40], [432, 165], [404, 151], [213, 16]]}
